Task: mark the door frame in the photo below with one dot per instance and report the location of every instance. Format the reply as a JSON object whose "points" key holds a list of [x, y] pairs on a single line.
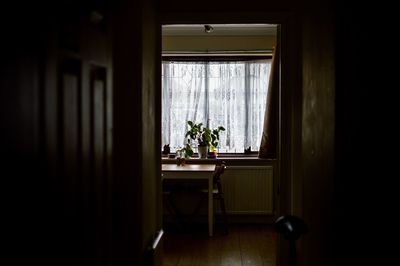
{"points": [[287, 184]]}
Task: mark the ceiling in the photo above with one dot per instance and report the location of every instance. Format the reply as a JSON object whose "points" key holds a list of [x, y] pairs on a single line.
{"points": [[219, 30]]}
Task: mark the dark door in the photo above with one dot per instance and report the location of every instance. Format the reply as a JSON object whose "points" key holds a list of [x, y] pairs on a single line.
{"points": [[77, 109], [56, 122], [72, 107]]}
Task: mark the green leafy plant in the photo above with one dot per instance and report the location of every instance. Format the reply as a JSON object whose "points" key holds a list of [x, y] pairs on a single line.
{"points": [[186, 151], [204, 136]]}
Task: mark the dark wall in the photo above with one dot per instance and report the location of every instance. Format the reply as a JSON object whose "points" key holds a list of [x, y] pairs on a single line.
{"points": [[360, 164], [318, 135], [220, 7], [137, 123], [19, 131]]}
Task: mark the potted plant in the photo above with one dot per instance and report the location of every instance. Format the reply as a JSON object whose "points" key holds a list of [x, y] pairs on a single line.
{"points": [[205, 137], [184, 152], [212, 153]]}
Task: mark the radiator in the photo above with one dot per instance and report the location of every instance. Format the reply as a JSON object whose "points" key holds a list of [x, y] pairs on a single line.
{"points": [[248, 189]]}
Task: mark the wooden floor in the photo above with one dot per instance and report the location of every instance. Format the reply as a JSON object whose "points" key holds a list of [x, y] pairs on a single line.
{"points": [[253, 245]]}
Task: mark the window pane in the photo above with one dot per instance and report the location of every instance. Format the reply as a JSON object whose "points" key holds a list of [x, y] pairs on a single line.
{"points": [[228, 94]]}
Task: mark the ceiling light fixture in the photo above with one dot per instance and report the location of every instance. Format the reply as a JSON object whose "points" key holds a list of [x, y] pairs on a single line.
{"points": [[208, 28]]}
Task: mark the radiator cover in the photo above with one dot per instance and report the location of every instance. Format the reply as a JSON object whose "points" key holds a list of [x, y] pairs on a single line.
{"points": [[248, 189]]}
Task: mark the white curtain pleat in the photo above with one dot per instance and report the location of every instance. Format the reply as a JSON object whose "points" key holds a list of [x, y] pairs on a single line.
{"points": [[228, 94]]}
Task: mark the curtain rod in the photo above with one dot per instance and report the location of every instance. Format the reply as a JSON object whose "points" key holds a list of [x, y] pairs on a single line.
{"points": [[219, 53]]}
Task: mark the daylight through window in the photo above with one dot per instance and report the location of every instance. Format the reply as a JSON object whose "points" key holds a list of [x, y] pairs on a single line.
{"points": [[232, 94]]}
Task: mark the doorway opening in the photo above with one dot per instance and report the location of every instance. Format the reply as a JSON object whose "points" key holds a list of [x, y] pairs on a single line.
{"points": [[199, 61]]}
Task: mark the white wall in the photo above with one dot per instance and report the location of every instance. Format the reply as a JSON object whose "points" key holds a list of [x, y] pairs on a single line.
{"points": [[204, 43]]}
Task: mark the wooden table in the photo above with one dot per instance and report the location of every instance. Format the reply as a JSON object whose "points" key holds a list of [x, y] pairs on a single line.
{"points": [[194, 171]]}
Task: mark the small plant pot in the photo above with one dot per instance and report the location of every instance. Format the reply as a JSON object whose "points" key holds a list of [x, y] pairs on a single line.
{"points": [[202, 151], [212, 155]]}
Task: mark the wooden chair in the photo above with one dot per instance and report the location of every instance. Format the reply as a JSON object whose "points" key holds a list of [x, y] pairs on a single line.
{"points": [[169, 204], [218, 194]]}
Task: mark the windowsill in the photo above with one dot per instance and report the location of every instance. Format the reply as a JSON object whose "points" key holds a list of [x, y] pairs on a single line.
{"points": [[229, 159]]}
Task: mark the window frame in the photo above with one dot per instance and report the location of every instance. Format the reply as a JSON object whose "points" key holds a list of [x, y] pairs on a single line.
{"points": [[219, 58]]}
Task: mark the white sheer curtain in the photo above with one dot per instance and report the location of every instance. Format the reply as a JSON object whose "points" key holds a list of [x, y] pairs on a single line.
{"points": [[228, 94]]}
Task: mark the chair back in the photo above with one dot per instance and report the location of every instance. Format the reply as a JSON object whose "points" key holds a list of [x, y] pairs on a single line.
{"points": [[218, 172]]}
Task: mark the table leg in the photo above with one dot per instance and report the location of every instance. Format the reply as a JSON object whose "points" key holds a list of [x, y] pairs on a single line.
{"points": [[210, 207]]}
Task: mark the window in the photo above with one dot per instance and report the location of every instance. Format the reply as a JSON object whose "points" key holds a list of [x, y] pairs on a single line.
{"points": [[229, 93]]}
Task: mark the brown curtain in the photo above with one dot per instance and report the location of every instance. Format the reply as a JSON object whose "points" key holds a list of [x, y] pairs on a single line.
{"points": [[268, 146]]}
